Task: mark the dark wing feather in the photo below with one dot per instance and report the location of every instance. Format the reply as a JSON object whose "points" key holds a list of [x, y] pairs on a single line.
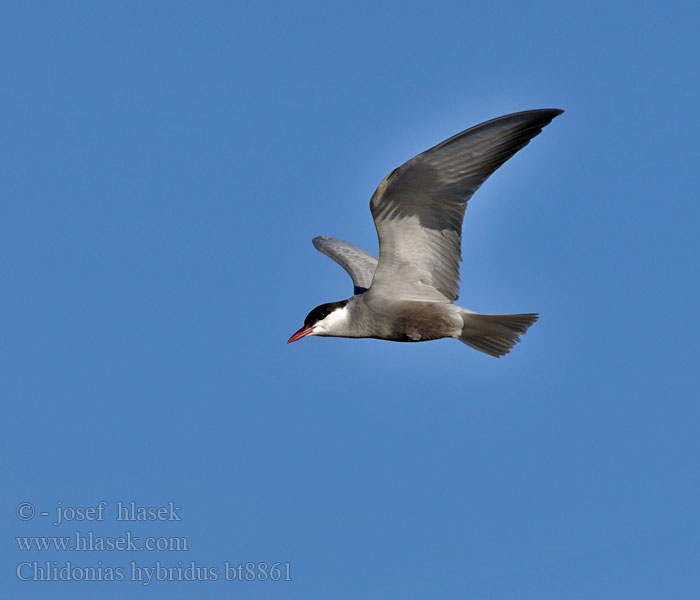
{"points": [[418, 208]]}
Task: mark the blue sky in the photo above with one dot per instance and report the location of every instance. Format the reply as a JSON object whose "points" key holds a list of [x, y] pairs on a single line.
{"points": [[164, 168]]}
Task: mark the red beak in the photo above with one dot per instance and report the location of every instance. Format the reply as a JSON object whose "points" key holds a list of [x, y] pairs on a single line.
{"points": [[303, 332]]}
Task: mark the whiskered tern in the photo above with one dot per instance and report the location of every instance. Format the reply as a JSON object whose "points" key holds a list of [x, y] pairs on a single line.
{"points": [[408, 294]]}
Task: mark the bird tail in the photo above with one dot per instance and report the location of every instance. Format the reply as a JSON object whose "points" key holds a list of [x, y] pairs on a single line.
{"points": [[494, 334]]}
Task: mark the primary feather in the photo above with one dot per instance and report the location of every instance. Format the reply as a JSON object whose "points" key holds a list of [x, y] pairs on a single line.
{"points": [[418, 208]]}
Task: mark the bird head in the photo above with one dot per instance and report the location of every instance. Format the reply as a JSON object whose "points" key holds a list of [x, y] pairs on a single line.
{"points": [[325, 320]]}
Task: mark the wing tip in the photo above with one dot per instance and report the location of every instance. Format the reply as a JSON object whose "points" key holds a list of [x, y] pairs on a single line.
{"points": [[537, 117], [319, 240], [554, 112]]}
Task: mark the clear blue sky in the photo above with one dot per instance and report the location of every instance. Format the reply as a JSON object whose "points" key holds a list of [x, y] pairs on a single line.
{"points": [[164, 168]]}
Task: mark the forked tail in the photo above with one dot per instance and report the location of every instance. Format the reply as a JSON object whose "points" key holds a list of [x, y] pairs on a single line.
{"points": [[494, 334]]}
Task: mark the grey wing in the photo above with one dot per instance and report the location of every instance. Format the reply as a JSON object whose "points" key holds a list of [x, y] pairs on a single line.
{"points": [[359, 264], [418, 208]]}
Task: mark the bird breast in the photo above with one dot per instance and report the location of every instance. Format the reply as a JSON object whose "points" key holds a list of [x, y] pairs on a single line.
{"points": [[410, 321]]}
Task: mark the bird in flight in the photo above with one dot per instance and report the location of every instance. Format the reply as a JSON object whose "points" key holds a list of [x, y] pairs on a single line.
{"points": [[408, 294]]}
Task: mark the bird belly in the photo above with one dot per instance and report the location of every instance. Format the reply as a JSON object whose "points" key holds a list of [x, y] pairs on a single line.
{"points": [[419, 322]]}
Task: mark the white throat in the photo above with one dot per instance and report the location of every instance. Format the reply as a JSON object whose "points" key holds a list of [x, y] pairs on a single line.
{"points": [[335, 323]]}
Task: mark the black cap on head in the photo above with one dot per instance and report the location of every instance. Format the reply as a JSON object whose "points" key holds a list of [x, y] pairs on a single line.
{"points": [[321, 312]]}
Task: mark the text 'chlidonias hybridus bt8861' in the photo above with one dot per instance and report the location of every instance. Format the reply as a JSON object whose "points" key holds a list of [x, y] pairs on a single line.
{"points": [[408, 294]]}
